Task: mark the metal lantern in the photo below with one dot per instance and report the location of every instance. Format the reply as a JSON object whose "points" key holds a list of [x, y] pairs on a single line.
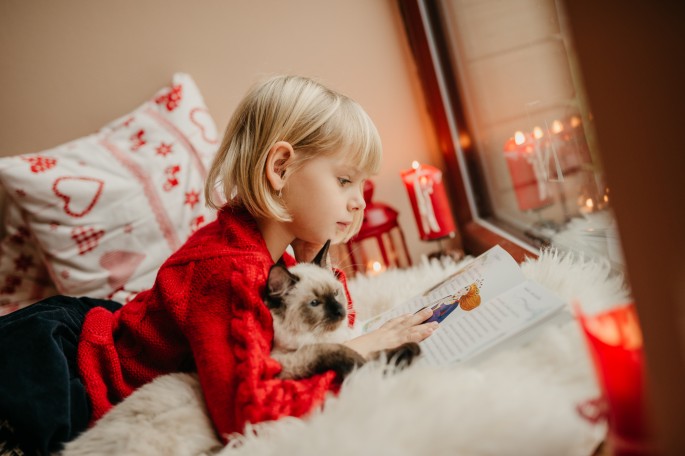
{"points": [[380, 243]]}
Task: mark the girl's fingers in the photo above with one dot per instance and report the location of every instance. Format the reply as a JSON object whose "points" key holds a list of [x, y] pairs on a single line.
{"points": [[420, 332], [409, 320], [394, 322], [422, 315]]}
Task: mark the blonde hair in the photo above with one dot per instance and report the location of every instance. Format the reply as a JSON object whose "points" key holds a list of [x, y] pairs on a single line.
{"points": [[311, 117]]}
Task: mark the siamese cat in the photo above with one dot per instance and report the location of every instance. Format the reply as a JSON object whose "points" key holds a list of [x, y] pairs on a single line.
{"points": [[309, 309]]}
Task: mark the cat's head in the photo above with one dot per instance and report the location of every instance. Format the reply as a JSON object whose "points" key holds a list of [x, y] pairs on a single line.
{"points": [[307, 302]]}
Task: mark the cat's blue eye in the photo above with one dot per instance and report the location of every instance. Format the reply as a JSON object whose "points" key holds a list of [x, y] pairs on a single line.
{"points": [[314, 302]]}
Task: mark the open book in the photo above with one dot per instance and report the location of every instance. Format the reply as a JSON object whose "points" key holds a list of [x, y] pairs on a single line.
{"points": [[487, 303]]}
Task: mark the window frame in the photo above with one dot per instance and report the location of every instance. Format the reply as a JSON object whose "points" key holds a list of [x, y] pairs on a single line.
{"points": [[427, 39]]}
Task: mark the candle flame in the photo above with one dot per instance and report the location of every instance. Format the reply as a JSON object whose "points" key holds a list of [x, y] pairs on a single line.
{"points": [[519, 138], [464, 140], [589, 203], [537, 132], [415, 164], [374, 267], [557, 126], [575, 121]]}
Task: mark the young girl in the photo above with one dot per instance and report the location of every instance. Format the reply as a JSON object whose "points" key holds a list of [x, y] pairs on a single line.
{"points": [[291, 168]]}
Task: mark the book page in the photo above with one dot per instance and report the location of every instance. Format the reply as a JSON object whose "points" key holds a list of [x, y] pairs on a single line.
{"points": [[493, 272], [467, 333]]}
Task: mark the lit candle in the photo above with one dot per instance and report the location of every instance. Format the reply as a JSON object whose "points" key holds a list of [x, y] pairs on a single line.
{"points": [[513, 144], [373, 268], [525, 171], [428, 197], [587, 206], [537, 133], [564, 160]]}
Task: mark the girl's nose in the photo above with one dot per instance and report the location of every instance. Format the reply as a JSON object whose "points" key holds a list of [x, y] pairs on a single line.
{"points": [[357, 202]]}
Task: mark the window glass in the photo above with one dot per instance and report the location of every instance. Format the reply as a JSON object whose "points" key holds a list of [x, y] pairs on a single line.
{"points": [[527, 117]]}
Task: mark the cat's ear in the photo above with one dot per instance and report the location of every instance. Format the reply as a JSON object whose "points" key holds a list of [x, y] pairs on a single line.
{"points": [[280, 280], [321, 258]]}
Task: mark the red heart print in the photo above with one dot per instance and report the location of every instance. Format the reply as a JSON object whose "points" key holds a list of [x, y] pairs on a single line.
{"points": [[171, 98], [40, 163], [137, 140], [87, 238], [121, 264], [171, 173], [203, 120], [79, 193]]}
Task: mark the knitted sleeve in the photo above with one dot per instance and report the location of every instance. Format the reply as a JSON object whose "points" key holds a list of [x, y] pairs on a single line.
{"points": [[230, 333], [351, 313]]}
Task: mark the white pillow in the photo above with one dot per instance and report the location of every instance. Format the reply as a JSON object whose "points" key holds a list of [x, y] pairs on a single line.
{"points": [[107, 209], [23, 277]]}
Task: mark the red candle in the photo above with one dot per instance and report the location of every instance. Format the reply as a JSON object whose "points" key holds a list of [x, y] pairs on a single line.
{"points": [[524, 160], [426, 190]]}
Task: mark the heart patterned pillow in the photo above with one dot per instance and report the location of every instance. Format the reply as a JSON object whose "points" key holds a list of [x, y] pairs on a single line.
{"points": [[105, 210], [23, 276]]}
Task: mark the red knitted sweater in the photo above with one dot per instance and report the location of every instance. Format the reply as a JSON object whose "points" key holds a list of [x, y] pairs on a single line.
{"points": [[204, 312]]}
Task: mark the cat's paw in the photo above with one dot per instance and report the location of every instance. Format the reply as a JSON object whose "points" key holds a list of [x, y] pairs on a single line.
{"points": [[342, 360], [403, 355]]}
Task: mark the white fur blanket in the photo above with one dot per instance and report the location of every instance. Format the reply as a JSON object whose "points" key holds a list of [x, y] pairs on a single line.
{"points": [[519, 400]]}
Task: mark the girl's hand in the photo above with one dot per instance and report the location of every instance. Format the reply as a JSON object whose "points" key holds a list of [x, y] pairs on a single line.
{"points": [[306, 251], [395, 332]]}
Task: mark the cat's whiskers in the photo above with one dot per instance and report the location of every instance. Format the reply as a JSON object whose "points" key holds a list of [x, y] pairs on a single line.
{"points": [[347, 260]]}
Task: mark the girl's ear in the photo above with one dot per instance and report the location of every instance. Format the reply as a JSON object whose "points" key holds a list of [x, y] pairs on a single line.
{"points": [[278, 158]]}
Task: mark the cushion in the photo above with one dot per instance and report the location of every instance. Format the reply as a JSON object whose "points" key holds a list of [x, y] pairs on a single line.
{"points": [[23, 276], [104, 211]]}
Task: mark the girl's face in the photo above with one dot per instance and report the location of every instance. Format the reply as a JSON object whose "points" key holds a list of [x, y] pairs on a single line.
{"points": [[322, 196]]}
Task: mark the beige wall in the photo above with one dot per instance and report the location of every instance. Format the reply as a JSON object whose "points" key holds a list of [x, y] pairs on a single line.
{"points": [[68, 67]]}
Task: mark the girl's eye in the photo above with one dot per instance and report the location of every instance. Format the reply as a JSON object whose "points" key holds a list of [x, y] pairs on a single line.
{"points": [[314, 302], [344, 181]]}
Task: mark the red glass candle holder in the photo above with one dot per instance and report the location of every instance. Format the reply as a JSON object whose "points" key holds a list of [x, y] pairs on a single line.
{"points": [[614, 340]]}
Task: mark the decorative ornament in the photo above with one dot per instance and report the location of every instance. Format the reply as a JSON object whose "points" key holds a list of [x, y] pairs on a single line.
{"points": [[380, 243]]}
